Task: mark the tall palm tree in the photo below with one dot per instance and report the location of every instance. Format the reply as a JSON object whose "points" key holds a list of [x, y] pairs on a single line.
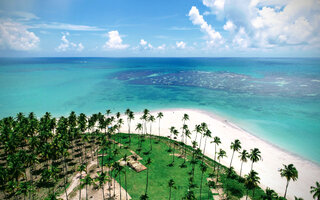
{"points": [[85, 182], [130, 118], [159, 116], [270, 194], [251, 182], [81, 168], [235, 146], [125, 159], [207, 134], [221, 154], [254, 156], [243, 158], [216, 141], [175, 133], [203, 168], [101, 179], [118, 169], [147, 182], [290, 173], [171, 184], [315, 191], [151, 119], [139, 127]]}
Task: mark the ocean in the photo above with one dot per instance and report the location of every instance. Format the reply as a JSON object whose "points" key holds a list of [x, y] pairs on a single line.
{"points": [[276, 99]]}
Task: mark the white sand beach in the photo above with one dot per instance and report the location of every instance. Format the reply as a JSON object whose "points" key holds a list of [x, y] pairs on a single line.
{"points": [[273, 157]]}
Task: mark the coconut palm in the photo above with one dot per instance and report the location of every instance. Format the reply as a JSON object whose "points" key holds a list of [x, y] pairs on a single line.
{"points": [[85, 182], [139, 127], [203, 168], [315, 190], [216, 141], [243, 158], [221, 154], [81, 168], [159, 116], [125, 159], [147, 182], [270, 194], [130, 118], [207, 134], [171, 184], [290, 173], [251, 182], [254, 156], [101, 179], [151, 119], [235, 146]]}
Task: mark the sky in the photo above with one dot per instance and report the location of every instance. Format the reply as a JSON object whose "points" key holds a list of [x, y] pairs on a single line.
{"points": [[160, 28]]}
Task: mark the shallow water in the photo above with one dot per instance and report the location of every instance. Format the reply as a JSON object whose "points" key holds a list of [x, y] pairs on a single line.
{"points": [[277, 99]]}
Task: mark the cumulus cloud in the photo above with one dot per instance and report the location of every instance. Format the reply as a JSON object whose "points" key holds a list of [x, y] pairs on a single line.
{"points": [[115, 41], [214, 37], [143, 42], [161, 47], [269, 23], [66, 45], [16, 36], [181, 45], [229, 26]]}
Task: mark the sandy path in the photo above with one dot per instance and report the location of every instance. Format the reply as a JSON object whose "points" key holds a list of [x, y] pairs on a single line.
{"points": [[273, 157]]}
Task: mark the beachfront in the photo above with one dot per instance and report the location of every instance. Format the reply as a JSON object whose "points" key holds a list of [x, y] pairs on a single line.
{"points": [[273, 157]]}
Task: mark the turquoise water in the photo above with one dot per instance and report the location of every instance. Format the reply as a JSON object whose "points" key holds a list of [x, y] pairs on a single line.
{"points": [[277, 99]]}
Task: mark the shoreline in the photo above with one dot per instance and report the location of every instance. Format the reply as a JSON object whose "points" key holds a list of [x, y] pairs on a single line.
{"points": [[273, 156]]}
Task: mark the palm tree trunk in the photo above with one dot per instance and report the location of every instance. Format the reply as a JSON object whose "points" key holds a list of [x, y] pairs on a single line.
{"points": [[86, 192], [215, 154], [201, 184], [170, 193], [125, 182], [247, 194], [147, 180], [241, 168], [103, 192], [231, 158], [80, 186], [120, 184], [173, 152], [285, 193], [251, 165]]}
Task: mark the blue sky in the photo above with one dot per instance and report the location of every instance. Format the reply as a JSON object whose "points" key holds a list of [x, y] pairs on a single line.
{"points": [[212, 28]]}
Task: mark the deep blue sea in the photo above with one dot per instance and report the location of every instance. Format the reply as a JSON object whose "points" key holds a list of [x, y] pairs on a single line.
{"points": [[277, 99]]}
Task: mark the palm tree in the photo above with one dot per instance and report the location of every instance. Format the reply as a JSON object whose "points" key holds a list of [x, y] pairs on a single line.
{"points": [[81, 168], [151, 119], [251, 182], [270, 194], [207, 134], [118, 169], [315, 191], [24, 188], [159, 116], [170, 184], [221, 154], [290, 173], [147, 183], [255, 156], [139, 127], [85, 182], [130, 118], [175, 133], [203, 168], [125, 175], [244, 158], [216, 141], [101, 179], [235, 146]]}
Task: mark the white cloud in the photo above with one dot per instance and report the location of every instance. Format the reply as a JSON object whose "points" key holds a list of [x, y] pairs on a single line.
{"points": [[18, 15], [214, 37], [66, 45], [181, 45], [161, 47], [269, 23], [143, 42], [115, 41], [16, 36], [229, 26], [68, 27]]}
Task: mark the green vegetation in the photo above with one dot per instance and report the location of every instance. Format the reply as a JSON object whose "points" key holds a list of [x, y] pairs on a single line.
{"points": [[39, 158]]}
